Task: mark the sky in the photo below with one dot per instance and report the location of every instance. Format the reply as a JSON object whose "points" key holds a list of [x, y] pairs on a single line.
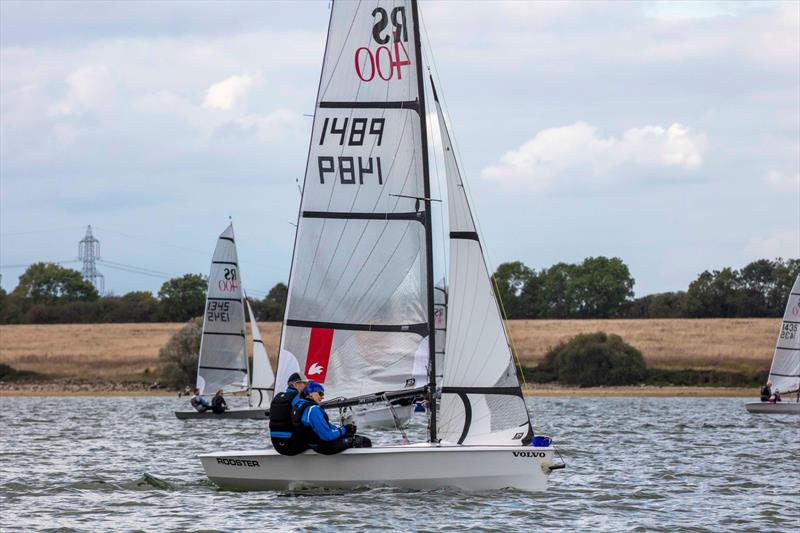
{"points": [[663, 133]]}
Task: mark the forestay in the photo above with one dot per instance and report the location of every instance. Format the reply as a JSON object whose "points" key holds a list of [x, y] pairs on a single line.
{"points": [[223, 356], [262, 386], [482, 402], [785, 371], [357, 305]]}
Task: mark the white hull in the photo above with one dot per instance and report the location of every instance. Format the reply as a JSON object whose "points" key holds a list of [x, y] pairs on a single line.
{"points": [[241, 414], [420, 466], [780, 408]]}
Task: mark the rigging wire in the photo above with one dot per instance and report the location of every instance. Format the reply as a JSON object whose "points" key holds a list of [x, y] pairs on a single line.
{"points": [[443, 101], [134, 271], [145, 239], [396, 419], [133, 267]]}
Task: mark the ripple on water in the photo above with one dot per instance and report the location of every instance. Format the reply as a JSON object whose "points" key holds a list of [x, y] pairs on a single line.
{"points": [[641, 464]]}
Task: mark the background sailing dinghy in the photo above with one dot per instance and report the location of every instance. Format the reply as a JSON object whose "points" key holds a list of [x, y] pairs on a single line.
{"points": [[223, 350], [785, 370], [361, 292]]}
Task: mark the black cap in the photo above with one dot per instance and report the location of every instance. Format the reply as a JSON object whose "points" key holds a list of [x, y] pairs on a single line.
{"points": [[296, 377]]}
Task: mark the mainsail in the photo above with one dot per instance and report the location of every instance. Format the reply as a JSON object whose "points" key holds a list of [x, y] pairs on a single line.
{"points": [[262, 386], [785, 370], [482, 402], [223, 356], [360, 297]]}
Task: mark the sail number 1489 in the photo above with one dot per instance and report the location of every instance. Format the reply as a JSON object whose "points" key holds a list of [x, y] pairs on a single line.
{"points": [[351, 132]]}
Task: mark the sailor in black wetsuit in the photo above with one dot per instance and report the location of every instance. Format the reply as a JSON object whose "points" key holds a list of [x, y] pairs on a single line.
{"points": [[218, 403], [285, 439], [766, 391]]}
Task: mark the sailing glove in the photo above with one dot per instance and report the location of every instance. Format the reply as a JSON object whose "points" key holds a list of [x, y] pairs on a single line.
{"points": [[350, 429]]}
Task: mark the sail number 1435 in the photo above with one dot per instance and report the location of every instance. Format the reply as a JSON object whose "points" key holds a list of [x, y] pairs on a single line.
{"points": [[788, 331]]}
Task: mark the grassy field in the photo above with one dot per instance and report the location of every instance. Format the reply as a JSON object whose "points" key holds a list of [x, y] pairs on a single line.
{"points": [[127, 351], [735, 345]]}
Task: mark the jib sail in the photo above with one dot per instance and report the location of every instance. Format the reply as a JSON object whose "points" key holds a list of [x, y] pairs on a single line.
{"points": [[482, 402], [263, 379]]}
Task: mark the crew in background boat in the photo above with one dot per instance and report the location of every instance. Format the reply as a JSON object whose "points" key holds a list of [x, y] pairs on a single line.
{"points": [[311, 421], [285, 439], [198, 402], [218, 404], [776, 396], [766, 391]]}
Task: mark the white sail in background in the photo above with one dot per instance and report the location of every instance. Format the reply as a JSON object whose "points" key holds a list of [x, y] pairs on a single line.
{"points": [[357, 304], [263, 378], [785, 371], [440, 325], [223, 356], [482, 402], [421, 358]]}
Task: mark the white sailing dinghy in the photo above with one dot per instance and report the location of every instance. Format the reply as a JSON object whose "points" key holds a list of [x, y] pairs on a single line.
{"points": [[222, 363], [362, 281], [785, 370]]}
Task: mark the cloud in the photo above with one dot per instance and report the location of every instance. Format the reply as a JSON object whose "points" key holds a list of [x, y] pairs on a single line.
{"points": [[557, 37], [225, 94], [275, 125], [88, 88], [575, 154], [781, 181], [784, 243]]}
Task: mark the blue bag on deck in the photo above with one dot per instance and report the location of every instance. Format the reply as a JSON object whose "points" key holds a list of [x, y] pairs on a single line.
{"points": [[541, 441]]}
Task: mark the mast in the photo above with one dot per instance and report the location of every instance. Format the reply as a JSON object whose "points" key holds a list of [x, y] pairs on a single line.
{"points": [[428, 222]]}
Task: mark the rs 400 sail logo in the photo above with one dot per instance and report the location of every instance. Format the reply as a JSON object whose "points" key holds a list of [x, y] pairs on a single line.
{"points": [[387, 61], [230, 283]]}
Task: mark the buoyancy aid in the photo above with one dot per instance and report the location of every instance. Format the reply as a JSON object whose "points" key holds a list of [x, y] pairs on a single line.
{"points": [[285, 439], [280, 415], [219, 405], [306, 433], [766, 392]]}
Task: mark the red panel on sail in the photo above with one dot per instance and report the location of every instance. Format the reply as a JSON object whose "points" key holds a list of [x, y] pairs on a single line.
{"points": [[319, 351]]}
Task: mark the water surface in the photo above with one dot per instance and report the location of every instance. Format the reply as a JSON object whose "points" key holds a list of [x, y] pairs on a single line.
{"points": [[633, 464]]}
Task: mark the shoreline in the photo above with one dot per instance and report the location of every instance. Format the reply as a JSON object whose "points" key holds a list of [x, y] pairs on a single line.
{"points": [[640, 391], [70, 388]]}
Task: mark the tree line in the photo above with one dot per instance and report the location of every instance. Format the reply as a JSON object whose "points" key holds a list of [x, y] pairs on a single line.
{"points": [[48, 293], [602, 287], [598, 287]]}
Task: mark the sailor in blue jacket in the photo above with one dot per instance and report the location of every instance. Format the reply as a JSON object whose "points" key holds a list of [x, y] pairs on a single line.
{"points": [[198, 402], [313, 423]]}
